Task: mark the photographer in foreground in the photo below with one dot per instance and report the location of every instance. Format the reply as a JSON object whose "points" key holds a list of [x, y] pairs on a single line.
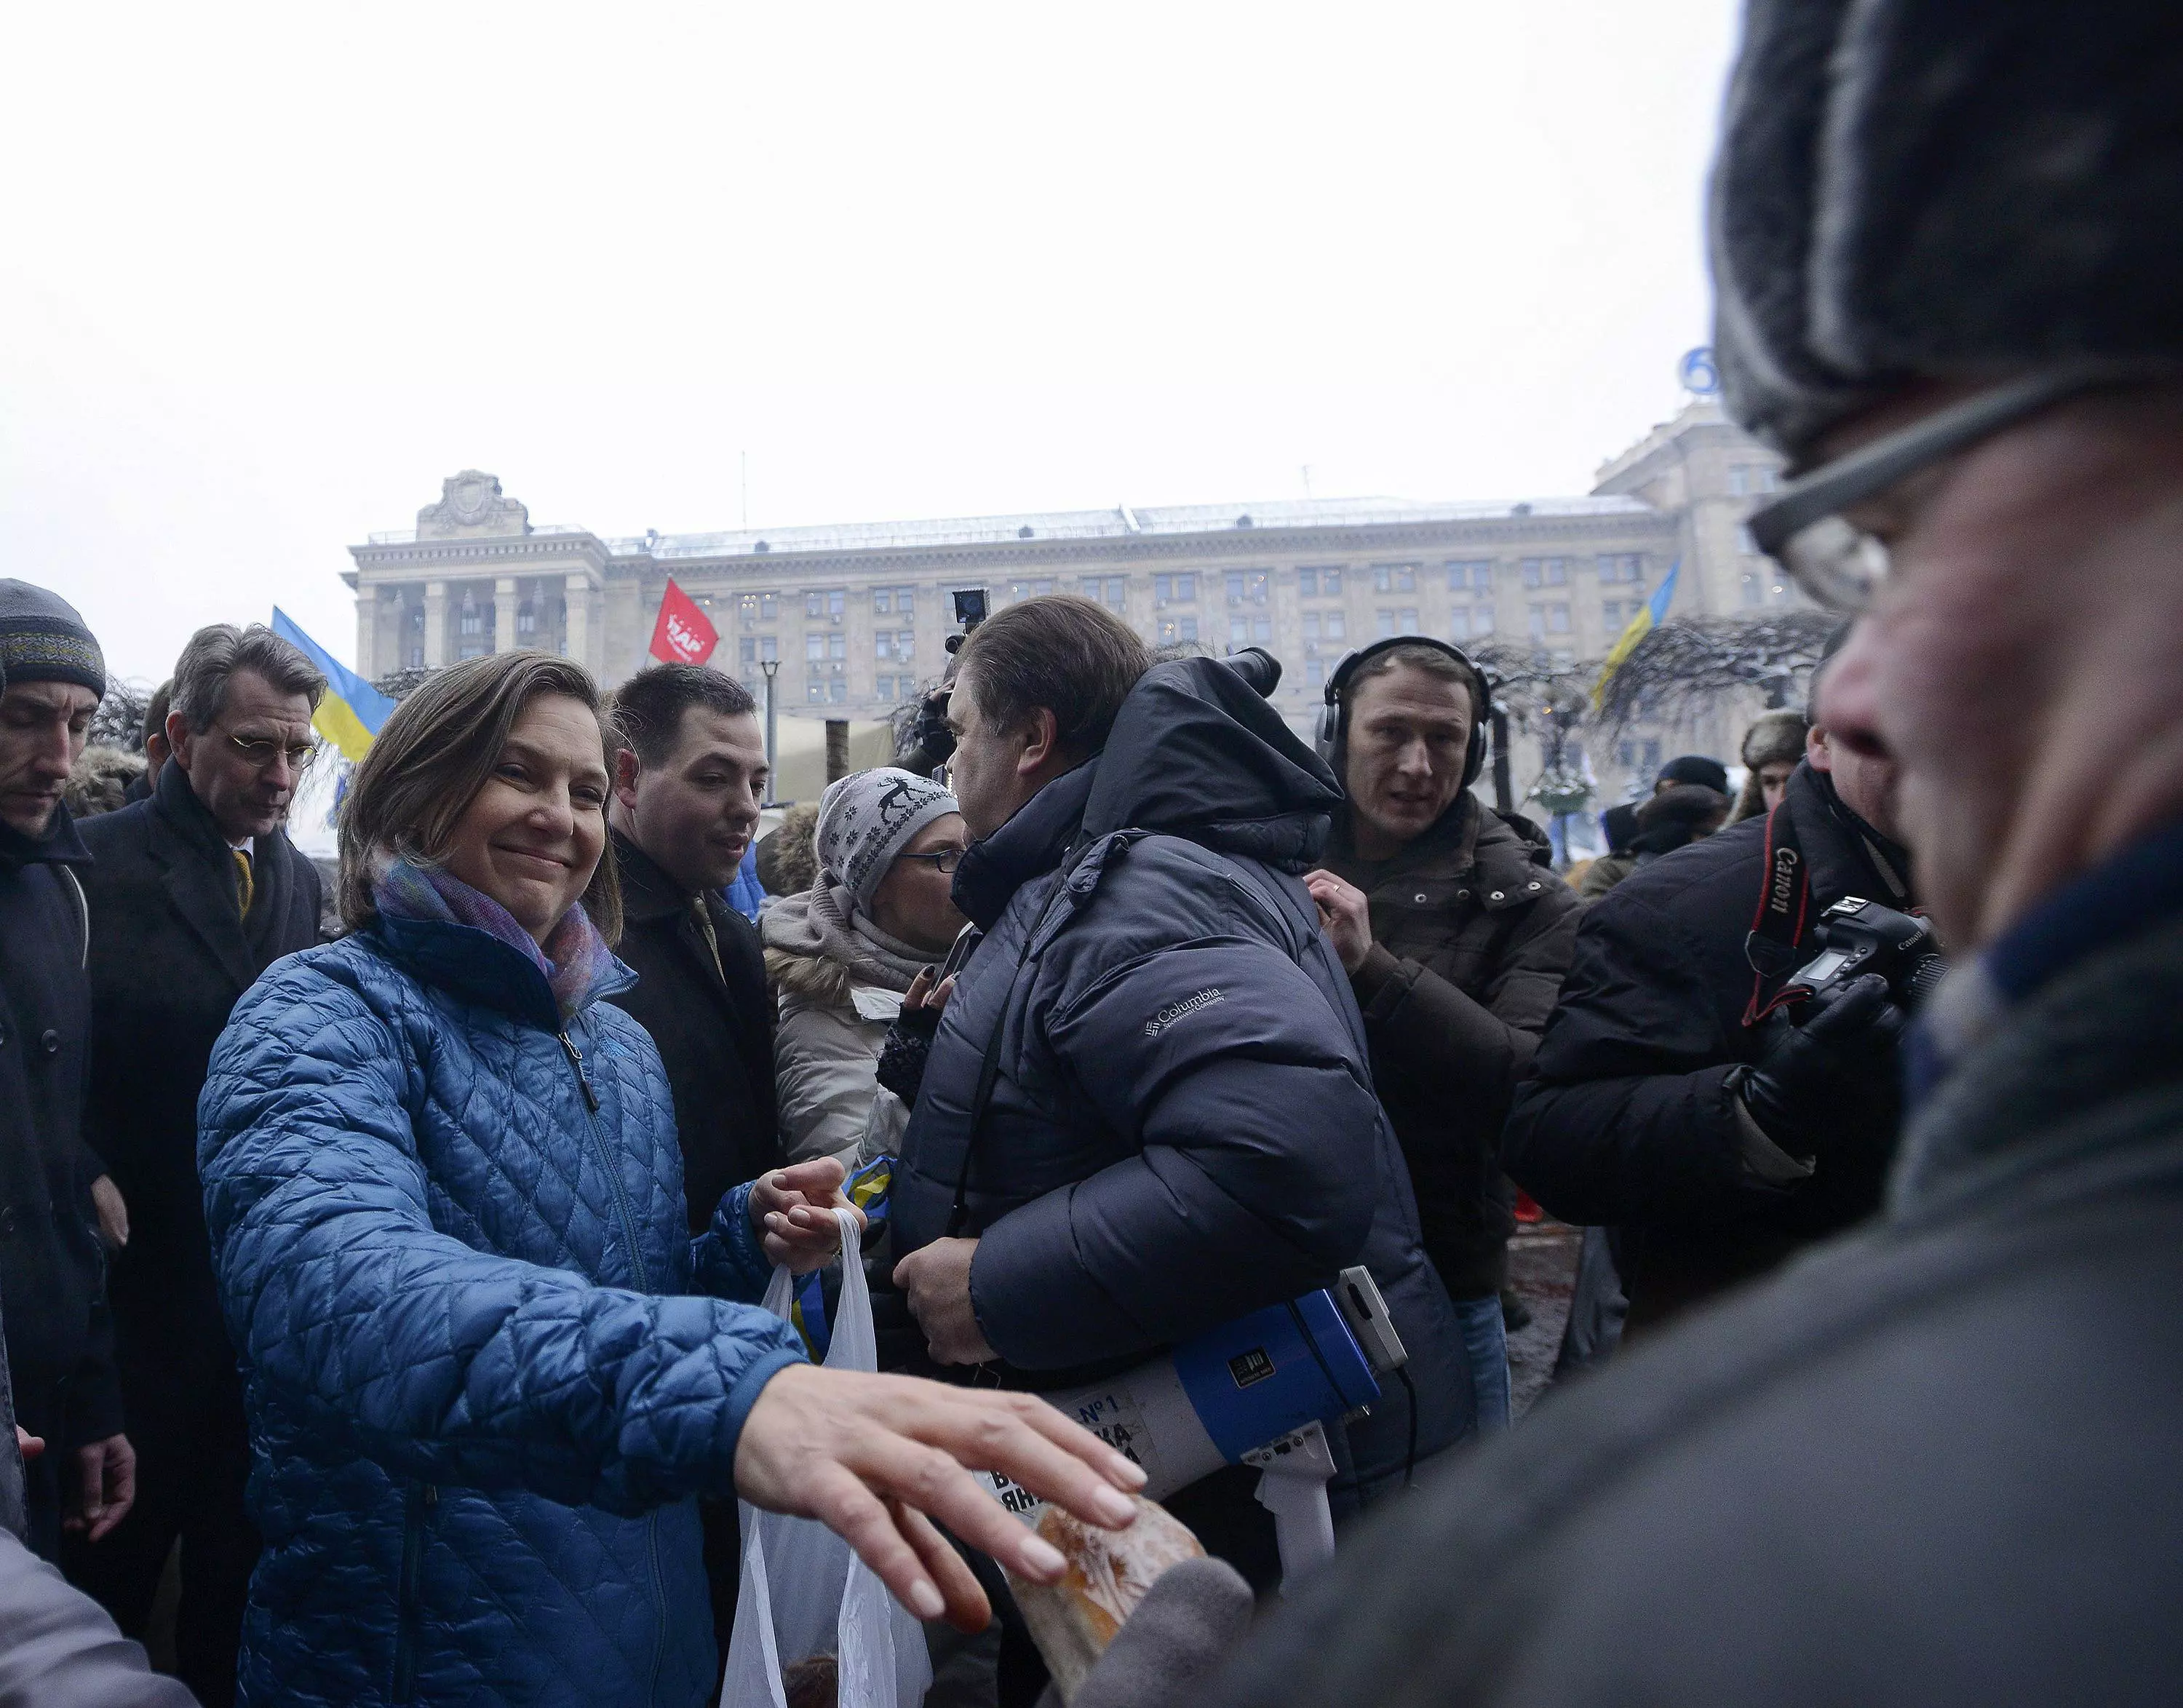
{"points": [[1455, 933], [487, 1368], [1678, 1096]]}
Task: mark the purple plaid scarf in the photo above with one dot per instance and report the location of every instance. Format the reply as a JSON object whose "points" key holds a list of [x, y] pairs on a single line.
{"points": [[576, 962]]}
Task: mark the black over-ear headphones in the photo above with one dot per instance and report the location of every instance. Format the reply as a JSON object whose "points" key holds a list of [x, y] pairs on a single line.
{"points": [[1334, 719]]}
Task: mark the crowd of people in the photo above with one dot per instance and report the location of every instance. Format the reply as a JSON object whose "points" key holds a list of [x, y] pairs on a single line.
{"points": [[393, 1278]]}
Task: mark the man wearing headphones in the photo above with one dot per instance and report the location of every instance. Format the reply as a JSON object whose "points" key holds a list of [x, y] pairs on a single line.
{"points": [[1455, 933]]}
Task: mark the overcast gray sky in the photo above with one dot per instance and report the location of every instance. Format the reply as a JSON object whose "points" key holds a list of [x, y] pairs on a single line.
{"points": [[268, 274]]}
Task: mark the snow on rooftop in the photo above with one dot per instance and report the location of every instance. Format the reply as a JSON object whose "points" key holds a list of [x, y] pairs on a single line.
{"points": [[1118, 523]]}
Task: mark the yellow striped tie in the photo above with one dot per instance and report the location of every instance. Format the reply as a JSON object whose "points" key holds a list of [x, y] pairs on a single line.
{"points": [[246, 885]]}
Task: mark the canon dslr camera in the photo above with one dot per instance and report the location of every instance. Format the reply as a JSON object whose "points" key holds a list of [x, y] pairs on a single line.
{"points": [[1861, 937]]}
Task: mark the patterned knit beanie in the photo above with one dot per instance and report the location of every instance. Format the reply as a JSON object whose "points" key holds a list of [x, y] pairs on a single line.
{"points": [[865, 820], [43, 640]]}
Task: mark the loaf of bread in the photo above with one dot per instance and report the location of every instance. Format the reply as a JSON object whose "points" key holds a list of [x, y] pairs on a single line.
{"points": [[1073, 1620], [812, 1684]]}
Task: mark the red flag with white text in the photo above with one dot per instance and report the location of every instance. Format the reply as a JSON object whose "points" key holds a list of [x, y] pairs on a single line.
{"points": [[683, 635]]}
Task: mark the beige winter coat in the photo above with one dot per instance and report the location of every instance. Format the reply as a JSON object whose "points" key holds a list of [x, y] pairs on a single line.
{"points": [[825, 1055]]}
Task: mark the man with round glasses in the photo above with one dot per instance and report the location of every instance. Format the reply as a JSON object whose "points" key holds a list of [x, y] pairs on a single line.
{"points": [[1936, 1460], [194, 893]]}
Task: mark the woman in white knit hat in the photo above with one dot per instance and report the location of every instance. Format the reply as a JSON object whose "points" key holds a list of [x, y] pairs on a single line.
{"points": [[843, 953]]}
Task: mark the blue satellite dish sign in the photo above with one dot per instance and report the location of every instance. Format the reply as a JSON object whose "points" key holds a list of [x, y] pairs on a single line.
{"points": [[1700, 378]]}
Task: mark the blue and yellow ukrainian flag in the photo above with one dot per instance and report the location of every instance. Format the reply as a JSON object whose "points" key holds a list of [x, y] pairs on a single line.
{"points": [[352, 711], [1649, 617]]}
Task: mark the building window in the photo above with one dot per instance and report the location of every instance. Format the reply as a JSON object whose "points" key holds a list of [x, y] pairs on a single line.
{"points": [[1038, 589], [1311, 625], [1545, 572], [750, 649], [1470, 573], [837, 646], [815, 691], [769, 648], [1459, 624], [1640, 757], [1739, 480], [1111, 591], [1174, 629], [1176, 590], [1314, 672], [882, 602], [883, 688], [815, 648], [837, 690], [826, 602], [1246, 587], [1621, 566], [757, 608], [1392, 623], [1337, 625], [1610, 612], [526, 618], [883, 644], [1394, 578], [1322, 579]]}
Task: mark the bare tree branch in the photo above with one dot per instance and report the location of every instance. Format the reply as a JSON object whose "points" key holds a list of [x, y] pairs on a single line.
{"points": [[1684, 666]]}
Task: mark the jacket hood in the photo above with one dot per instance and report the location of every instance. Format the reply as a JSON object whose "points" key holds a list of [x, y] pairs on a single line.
{"points": [[1197, 752]]}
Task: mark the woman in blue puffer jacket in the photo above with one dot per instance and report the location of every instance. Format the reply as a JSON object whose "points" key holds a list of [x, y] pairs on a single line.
{"points": [[487, 1372]]}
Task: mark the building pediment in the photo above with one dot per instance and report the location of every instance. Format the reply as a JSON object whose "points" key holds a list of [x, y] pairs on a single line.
{"points": [[471, 503]]}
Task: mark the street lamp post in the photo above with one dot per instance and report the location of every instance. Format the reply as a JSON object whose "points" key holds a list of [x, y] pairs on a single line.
{"points": [[772, 668]]}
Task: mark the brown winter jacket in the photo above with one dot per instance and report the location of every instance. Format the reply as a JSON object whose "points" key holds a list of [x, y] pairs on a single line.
{"points": [[1471, 932]]}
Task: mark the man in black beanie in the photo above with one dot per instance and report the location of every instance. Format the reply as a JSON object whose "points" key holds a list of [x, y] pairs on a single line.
{"points": [[52, 1272], [196, 891], [1937, 1462]]}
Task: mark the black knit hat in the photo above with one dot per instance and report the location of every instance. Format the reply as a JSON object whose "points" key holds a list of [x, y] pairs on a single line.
{"points": [[1697, 768], [43, 640], [1914, 189]]}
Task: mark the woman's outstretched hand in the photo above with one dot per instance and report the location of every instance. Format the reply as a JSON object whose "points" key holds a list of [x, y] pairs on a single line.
{"points": [[791, 1210], [876, 1459]]}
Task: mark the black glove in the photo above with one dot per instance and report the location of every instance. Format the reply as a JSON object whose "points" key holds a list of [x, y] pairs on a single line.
{"points": [[1839, 1063], [901, 1057]]}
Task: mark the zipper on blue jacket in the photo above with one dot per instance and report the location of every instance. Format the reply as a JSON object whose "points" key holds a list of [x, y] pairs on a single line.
{"points": [[636, 1261], [583, 1079], [422, 1498], [606, 1161]]}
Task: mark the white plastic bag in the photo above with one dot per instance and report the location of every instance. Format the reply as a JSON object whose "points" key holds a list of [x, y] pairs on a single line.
{"points": [[804, 1592]]}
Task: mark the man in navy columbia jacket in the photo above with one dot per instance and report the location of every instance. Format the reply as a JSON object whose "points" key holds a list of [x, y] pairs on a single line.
{"points": [[1181, 1126]]}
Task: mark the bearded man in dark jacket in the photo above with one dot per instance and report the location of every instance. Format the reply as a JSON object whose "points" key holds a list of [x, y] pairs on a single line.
{"points": [[1181, 1125], [1455, 933], [53, 1271], [1667, 1103], [194, 892]]}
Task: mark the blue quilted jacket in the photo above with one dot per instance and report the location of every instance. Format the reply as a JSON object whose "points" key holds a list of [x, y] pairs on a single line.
{"points": [[483, 1384]]}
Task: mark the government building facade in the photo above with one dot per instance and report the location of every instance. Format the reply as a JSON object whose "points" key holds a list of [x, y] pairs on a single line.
{"points": [[854, 617]]}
